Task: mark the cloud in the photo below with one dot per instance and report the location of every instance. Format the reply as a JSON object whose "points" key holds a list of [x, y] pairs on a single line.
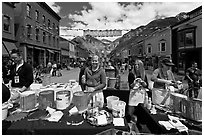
{"points": [[106, 15], [54, 6], [113, 15]]}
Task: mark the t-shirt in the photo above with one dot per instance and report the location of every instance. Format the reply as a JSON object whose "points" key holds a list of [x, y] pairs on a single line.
{"points": [[194, 73], [159, 74]]}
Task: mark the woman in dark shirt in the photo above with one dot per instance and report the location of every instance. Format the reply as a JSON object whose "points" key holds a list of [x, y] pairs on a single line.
{"points": [[138, 71]]}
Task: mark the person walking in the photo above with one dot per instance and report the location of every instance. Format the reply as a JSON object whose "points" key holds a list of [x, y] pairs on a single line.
{"points": [[54, 67], [59, 68]]}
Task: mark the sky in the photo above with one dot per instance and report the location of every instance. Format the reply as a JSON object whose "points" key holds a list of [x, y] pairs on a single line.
{"points": [[105, 15]]}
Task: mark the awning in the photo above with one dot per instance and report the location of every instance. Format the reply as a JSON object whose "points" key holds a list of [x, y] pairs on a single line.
{"points": [[9, 46], [50, 51], [186, 26], [38, 48]]}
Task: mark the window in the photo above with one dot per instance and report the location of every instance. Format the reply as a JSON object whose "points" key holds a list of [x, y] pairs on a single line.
{"points": [[53, 26], [57, 29], [49, 39], [180, 38], [28, 8], [57, 42], [163, 47], [6, 20], [37, 15], [43, 18], [44, 37], [189, 38], [149, 49], [29, 31], [186, 38], [37, 32], [53, 41], [48, 22]]}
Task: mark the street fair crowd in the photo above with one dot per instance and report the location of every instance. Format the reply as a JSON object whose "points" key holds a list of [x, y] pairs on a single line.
{"points": [[85, 105]]}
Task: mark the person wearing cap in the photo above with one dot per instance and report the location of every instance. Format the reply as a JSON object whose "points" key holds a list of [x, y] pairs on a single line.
{"points": [[95, 81], [21, 73], [162, 77]]}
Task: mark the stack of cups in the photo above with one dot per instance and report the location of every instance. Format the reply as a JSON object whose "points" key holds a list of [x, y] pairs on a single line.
{"points": [[110, 100]]}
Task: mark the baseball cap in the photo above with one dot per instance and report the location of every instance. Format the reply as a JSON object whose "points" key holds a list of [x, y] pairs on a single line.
{"points": [[167, 62]]}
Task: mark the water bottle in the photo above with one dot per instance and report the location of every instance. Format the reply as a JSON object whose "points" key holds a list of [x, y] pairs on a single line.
{"points": [[146, 100], [149, 105]]}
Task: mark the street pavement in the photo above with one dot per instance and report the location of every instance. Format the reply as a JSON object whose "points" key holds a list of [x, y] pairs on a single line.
{"points": [[67, 75], [73, 74]]}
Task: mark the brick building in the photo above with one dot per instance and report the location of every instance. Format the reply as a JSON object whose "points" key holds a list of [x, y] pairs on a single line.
{"points": [[37, 32], [8, 37]]}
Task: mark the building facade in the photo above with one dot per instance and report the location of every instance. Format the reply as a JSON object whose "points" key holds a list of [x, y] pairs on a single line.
{"points": [[187, 41], [37, 32], [157, 46], [67, 51], [8, 35]]}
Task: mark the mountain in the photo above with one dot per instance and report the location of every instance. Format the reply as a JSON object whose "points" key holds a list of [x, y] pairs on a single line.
{"points": [[94, 45]]}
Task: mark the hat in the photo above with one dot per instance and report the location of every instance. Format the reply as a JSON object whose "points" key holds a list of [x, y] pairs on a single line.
{"points": [[167, 62]]}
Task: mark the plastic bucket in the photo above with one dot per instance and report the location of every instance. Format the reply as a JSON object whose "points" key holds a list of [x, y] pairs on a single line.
{"points": [[63, 99], [110, 99], [80, 100], [28, 100], [4, 111], [46, 99], [176, 101], [112, 82], [118, 108]]}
